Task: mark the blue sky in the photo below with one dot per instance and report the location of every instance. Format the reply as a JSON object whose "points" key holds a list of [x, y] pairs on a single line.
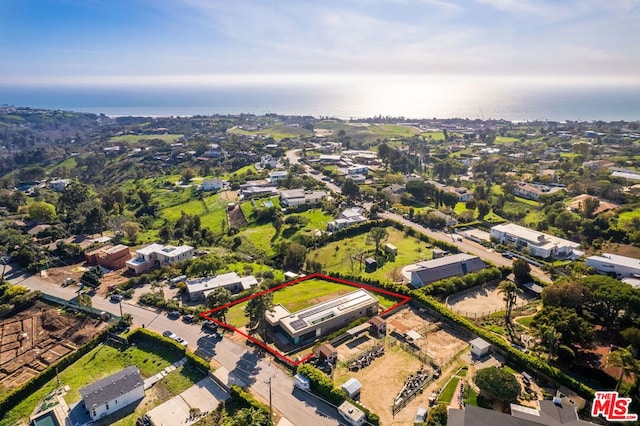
{"points": [[193, 41]]}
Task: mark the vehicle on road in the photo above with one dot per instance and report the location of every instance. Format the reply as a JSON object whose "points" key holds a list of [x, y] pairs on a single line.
{"points": [[188, 319], [170, 334], [180, 340], [210, 325], [173, 315], [116, 298]]}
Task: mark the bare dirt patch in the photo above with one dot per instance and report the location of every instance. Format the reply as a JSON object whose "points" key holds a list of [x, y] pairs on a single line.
{"points": [[36, 338], [482, 301], [381, 382], [437, 342]]}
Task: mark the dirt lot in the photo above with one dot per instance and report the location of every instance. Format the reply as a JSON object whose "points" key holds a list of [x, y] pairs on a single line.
{"points": [[381, 382], [482, 301], [37, 337], [58, 275], [385, 376], [438, 343]]}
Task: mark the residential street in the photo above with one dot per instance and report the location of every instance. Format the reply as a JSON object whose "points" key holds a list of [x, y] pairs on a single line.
{"points": [[254, 369]]}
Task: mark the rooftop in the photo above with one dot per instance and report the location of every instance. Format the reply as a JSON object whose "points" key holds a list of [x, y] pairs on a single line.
{"points": [[109, 388], [222, 280], [536, 238], [616, 259]]}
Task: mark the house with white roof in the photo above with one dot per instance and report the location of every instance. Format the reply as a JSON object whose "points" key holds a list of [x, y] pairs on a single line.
{"points": [[212, 184], [199, 288], [156, 255], [278, 175], [297, 197], [613, 264], [348, 217], [533, 242]]}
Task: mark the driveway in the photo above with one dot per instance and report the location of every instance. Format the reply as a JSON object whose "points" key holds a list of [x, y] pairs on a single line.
{"points": [[204, 395]]}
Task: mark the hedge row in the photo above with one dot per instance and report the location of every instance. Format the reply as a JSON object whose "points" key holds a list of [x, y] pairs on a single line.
{"points": [[11, 399], [246, 400], [323, 386], [452, 285], [521, 359]]}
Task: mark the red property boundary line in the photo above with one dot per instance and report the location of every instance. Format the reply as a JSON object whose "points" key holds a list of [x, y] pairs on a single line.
{"points": [[205, 315]]}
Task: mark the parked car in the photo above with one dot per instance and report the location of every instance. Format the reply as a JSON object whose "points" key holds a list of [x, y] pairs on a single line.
{"points": [[188, 318], [116, 298], [170, 334], [180, 340], [421, 415], [210, 325], [173, 315]]}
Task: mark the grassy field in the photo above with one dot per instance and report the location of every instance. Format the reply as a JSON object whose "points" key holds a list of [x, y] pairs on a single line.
{"points": [[98, 363], [70, 164], [337, 256], [625, 219], [449, 390], [276, 132], [505, 139], [304, 295], [170, 138], [261, 237], [393, 130], [436, 136], [193, 207]]}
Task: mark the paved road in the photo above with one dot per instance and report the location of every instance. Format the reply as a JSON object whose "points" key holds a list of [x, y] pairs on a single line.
{"points": [[466, 246], [253, 368]]}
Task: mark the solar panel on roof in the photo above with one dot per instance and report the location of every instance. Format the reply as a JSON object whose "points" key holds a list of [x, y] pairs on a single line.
{"points": [[298, 324], [323, 307]]}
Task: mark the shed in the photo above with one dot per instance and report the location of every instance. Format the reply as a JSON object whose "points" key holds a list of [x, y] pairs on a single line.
{"points": [[370, 264], [352, 414], [480, 347], [378, 325], [327, 351], [352, 387], [412, 336], [390, 248], [438, 253]]}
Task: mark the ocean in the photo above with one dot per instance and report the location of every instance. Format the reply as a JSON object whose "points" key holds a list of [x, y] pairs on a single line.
{"points": [[411, 97]]}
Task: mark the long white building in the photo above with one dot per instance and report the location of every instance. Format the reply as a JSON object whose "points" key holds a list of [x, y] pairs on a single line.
{"points": [[535, 243], [613, 264]]}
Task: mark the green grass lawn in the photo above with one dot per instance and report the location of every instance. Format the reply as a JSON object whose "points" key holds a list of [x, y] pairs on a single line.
{"points": [[531, 203], [472, 399], [337, 256], [526, 321], [70, 164], [193, 207], [170, 138], [260, 236], [447, 393], [317, 218], [436, 136], [626, 218], [98, 363]]}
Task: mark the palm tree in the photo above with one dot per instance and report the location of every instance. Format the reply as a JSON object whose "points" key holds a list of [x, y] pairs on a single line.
{"points": [[623, 358], [510, 292]]}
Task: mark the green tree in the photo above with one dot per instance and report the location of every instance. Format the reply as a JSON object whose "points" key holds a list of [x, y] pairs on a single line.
{"points": [[509, 291], [187, 175], [522, 270], [84, 300], [73, 195], [294, 256], [251, 416], [496, 383], [438, 416], [589, 206], [350, 189], [623, 359], [377, 235], [573, 329], [257, 308], [131, 230], [219, 297], [42, 212], [96, 220], [483, 209]]}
